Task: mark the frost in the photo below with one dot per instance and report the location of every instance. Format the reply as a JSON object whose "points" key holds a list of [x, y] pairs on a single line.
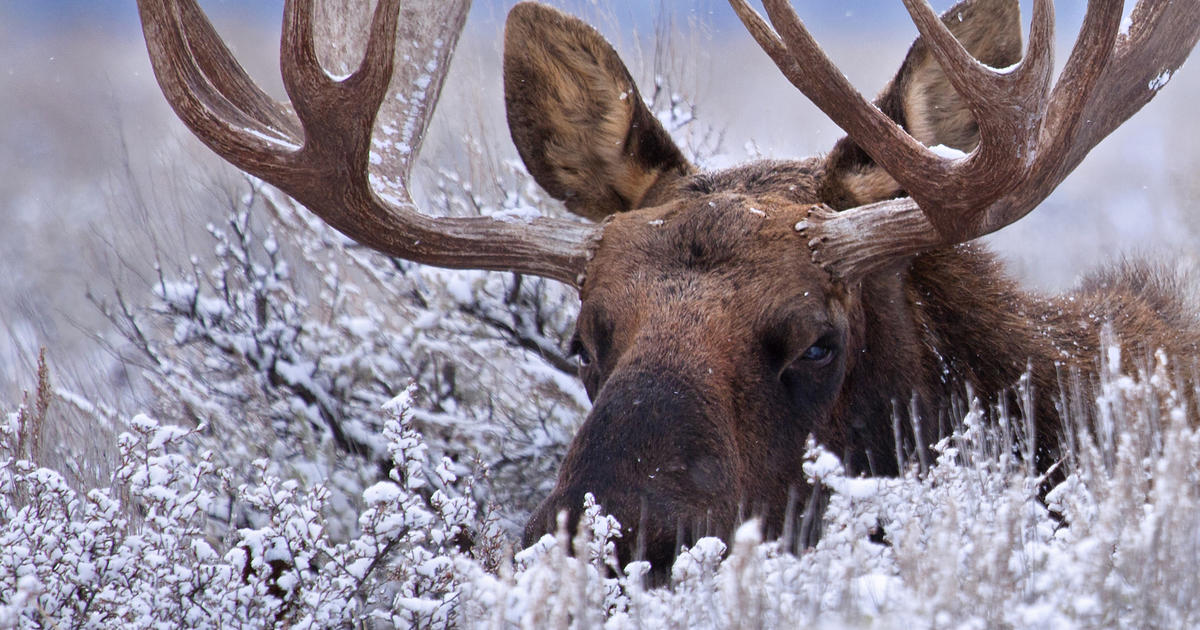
{"points": [[382, 492], [825, 465], [699, 561], [1160, 81], [949, 153], [272, 139], [517, 215]]}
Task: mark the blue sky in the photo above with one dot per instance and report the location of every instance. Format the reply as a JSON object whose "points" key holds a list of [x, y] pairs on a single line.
{"points": [[117, 15], [828, 17]]}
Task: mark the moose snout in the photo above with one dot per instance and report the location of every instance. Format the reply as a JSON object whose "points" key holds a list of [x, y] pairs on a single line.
{"points": [[656, 455]]}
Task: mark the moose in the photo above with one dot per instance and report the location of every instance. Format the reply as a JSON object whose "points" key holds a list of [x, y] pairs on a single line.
{"points": [[727, 316]]}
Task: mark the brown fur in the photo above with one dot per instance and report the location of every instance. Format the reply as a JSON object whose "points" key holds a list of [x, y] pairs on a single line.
{"points": [[704, 322]]}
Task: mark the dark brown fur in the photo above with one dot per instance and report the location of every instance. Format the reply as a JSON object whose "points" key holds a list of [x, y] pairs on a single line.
{"points": [[702, 311]]}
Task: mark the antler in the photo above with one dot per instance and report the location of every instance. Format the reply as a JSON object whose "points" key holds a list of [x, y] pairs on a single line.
{"points": [[320, 154], [1031, 136]]}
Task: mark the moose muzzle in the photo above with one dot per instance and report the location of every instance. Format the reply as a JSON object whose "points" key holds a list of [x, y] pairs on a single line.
{"points": [[656, 454]]}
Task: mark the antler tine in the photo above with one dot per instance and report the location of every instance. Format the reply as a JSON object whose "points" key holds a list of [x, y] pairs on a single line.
{"points": [[376, 69], [327, 169], [338, 115], [1001, 101], [1098, 90], [1001, 104], [935, 182], [802, 61], [303, 77], [1036, 66], [199, 100], [1094, 46], [973, 82], [1161, 35], [217, 64], [987, 91], [1065, 117], [314, 93]]}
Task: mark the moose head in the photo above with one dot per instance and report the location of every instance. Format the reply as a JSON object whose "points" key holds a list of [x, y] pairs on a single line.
{"points": [[727, 316]]}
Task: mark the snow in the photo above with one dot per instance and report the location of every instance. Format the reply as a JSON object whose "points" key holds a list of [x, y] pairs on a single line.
{"points": [[294, 373], [517, 215], [360, 326], [272, 139], [945, 152], [859, 488], [826, 465], [748, 533], [166, 434], [698, 561], [382, 492], [1160, 81], [1005, 70], [1126, 24]]}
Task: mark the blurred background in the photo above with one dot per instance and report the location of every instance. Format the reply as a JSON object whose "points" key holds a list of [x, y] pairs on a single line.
{"points": [[99, 181]]}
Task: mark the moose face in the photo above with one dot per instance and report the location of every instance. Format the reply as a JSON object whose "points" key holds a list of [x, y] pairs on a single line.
{"points": [[711, 347]]}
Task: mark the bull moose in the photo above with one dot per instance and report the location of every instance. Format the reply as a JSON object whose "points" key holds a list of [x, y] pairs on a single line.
{"points": [[727, 316]]}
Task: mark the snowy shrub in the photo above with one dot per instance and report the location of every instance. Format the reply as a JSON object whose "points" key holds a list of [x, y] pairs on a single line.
{"points": [[136, 553], [285, 348], [966, 544]]}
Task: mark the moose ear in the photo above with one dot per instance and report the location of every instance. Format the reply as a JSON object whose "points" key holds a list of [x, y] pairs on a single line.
{"points": [[921, 99], [577, 118]]}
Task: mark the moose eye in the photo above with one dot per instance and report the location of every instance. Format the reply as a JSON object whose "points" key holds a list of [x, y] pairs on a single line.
{"points": [[818, 354], [582, 358], [783, 354], [587, 372]]}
